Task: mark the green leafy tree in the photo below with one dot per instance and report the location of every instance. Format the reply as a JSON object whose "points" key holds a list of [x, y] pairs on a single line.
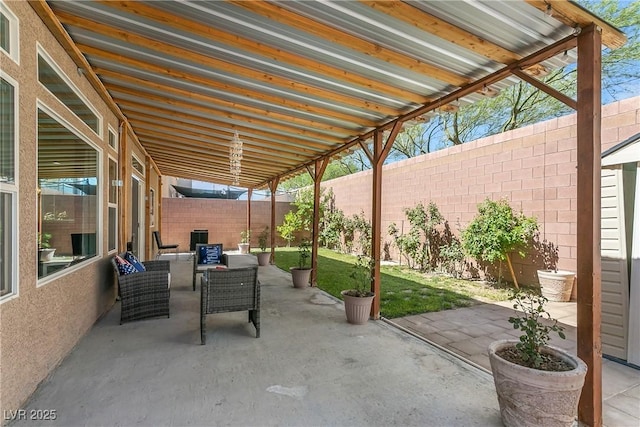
{"points": [[496, 231], [289, 227]]}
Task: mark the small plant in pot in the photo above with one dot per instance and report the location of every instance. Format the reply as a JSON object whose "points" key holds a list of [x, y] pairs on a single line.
{"points": [[263, 256], [245, 238], [44, 247], [301, 274], [555, 285], [357, 301], [537, 384]]}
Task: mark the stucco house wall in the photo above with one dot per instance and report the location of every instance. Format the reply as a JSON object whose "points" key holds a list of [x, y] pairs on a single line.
{"points": [[41, 323]]}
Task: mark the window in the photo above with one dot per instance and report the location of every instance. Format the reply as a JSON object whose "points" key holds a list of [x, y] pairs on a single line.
{"points": [[137, 165], [68, 181], [8, 188], [113, 141], [54, 80], [9, 33], [113, 204]]}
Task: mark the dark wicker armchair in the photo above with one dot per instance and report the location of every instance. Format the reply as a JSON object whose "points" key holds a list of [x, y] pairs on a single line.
{"points": [[230, 290], [144, 294]]}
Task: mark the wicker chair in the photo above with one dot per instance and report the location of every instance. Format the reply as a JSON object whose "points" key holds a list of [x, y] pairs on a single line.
{"points": [[199, 266], [144, 294], [230, 290]]}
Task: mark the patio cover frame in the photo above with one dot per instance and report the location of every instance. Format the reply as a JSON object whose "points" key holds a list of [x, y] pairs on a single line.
{"points": [[317, 148]]}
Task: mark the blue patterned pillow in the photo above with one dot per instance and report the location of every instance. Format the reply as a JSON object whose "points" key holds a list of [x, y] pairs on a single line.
{"points": [[124, 267], [211, 254], [131, 259]]}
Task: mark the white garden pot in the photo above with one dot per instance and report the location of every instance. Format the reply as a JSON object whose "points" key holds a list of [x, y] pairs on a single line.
{"points": [[300, 277], [531, 397], [556, 285], [243, 248], [357, 309]]}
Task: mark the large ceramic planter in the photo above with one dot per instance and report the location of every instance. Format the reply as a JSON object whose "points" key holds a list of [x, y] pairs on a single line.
{"points": [[556, 285], [243, 248], [531, 397], [300, 277], [357, 309], [264, 258]]}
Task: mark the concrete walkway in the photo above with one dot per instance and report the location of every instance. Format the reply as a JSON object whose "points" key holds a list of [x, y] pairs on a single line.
{"points": [[308, 368], [467, 332]]}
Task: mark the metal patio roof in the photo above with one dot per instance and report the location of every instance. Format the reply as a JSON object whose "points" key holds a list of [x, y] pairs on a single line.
{"points": [[298, 80]]}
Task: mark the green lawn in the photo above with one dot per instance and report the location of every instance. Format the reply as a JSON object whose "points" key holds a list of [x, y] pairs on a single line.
{"points": [[404, 291]]}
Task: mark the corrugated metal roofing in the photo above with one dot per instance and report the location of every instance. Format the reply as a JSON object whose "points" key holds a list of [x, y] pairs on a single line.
{"points": [[296, 79]]}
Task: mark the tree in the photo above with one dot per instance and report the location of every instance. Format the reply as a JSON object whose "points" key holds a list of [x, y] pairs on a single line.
{"points": [[496, 231]]}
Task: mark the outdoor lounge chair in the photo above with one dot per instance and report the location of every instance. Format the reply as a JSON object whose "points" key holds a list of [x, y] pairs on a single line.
{"points": [[162, 247], [207, 256], [144, 294], [229, 290]]}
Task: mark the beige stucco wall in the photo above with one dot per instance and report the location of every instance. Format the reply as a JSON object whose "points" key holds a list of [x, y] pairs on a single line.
{"points": [[43, 322]]}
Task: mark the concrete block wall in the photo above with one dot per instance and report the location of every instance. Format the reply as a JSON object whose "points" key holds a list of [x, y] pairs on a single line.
{"points": [[533, 167], [225, 220]]}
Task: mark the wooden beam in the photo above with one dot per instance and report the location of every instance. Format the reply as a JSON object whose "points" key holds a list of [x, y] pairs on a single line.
{"points": [[319, 167], [51, 21], [444, 30], [337, 36], [274, 53], [572, 14], [161, 76], [273, 187], [249, 193], [143, 88], [215, 65], [589, 304], [547, 89]]}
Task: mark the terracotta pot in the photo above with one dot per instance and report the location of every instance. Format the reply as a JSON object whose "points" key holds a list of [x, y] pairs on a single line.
{"points": [[300, 277], [556, 285], [357, 309], [264, 258], [531, 397], [243, 248]]}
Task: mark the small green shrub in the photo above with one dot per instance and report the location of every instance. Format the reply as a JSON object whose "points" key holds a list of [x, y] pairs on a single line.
{"points": [[496, 231], [535, 333], [362, 277], [304, 253], [262, 239]]}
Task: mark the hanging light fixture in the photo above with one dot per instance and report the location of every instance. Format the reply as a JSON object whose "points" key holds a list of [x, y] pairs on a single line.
{"points": [[235, 156]]}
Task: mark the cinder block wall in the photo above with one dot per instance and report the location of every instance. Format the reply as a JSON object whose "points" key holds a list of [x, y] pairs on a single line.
{"points": [[534, 167], [225, 220]]}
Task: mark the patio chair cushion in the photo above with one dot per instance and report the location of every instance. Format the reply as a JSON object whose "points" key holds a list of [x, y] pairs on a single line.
{"points": [[124, 267], [131, 258], [211, 254]]}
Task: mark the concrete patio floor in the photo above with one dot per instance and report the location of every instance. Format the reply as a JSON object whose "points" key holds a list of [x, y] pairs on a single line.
{"points": [[308, 368]]}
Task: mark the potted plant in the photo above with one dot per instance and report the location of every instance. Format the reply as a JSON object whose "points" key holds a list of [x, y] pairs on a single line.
{"points": [[263, 256], [357, 301], [537, 384], [245, 237], [300, 275], [44, 246], [555, 285]]}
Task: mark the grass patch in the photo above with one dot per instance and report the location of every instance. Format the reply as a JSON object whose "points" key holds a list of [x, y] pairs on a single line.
{"points": [[404, 291]]}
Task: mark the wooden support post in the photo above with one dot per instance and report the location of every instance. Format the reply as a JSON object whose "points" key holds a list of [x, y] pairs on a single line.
{"points": [[588, 223], [316, 174], [249, 193], [380, 152], [123, 194], [273, 186]]}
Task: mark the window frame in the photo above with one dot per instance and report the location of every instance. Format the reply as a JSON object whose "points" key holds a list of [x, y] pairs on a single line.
{"points": [[112, 205], [40, 105], [14, 33], [40, 51], [111, 131], [13, 190]]}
